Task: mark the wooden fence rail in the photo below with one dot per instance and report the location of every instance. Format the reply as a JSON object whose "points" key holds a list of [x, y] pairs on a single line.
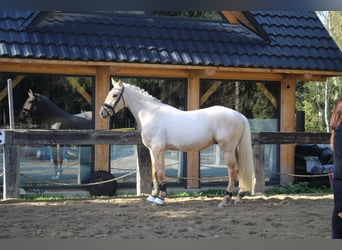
{"points": [[11, 139]]}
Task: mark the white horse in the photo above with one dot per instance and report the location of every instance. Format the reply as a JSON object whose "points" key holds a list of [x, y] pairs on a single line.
{"points": [[164, 127]]}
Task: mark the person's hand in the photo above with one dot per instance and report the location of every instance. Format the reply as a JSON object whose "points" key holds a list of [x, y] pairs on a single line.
{"points": [[340, 215]]}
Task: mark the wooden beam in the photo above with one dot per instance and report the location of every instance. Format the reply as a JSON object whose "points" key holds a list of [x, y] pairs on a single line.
{"points": [[193, 166], [73, 82], [29, 67], [129, 70], [240, 74], [15, 82], [127, 137], [210, 91], [259, 138], [151, 70], [68, 136], [90, 67], [287, 124], [267, 93], [237, 17]]}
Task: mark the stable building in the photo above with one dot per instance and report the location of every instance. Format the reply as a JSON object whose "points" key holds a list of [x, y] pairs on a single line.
{"points": [[269, 51]]}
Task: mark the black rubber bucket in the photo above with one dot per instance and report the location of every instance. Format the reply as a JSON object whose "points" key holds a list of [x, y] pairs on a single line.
{"points": [[103, 189]]}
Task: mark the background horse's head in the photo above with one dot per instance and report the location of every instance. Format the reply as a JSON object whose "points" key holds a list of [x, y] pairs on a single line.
{"points": [[36, 110], [114, 101], [29, 109]]}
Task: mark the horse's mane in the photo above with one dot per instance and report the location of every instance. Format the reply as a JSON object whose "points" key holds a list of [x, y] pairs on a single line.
{"points": [[142, 91], [336, 119]]}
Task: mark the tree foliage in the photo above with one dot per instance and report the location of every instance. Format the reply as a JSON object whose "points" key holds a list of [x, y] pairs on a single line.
{"points": [[316, 99]]}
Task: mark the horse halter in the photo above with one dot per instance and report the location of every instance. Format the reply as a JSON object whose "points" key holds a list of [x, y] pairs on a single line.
{"points": [[26, 113], [107, 107]]}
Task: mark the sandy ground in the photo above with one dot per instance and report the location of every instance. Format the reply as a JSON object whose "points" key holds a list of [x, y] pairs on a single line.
{"points": [[258, 217]]}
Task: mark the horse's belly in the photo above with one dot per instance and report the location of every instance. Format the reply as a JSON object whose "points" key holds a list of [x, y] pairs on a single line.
{"points": [[189, 142]]}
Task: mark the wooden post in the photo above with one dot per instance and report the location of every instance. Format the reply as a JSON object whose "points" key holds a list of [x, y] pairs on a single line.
{"points": [[193, 158], [101, 154], [287, 124], [11, 172], [11, 157], [144, 170], [259, 165]]}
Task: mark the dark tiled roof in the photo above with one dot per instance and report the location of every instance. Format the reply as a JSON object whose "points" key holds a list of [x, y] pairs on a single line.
{"points": [[294, 40]]}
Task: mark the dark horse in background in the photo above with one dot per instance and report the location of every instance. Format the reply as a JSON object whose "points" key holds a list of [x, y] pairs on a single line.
{"points": [[47, 114]]}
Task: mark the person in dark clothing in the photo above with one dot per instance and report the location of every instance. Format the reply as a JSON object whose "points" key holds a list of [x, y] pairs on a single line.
{"points": [[336, 145]]}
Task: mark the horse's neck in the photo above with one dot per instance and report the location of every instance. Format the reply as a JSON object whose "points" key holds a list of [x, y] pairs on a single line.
{"points": [[139, 104], [52, 113]]}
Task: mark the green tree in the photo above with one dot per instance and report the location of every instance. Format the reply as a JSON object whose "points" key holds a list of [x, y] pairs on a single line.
{"points": [[317, 98]]}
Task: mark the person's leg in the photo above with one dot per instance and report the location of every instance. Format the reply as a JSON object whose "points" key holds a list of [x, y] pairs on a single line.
{"points": [[337, 220], [336, 226]]}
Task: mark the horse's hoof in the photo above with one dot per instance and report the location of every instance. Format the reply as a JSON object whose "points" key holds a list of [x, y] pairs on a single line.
{"points": [[150, 198], [221, 205], [159, 201], [237, 202]]}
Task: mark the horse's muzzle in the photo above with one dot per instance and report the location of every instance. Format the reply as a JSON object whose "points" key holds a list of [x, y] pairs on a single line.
{"points": [[24, 115], [106, 111]]}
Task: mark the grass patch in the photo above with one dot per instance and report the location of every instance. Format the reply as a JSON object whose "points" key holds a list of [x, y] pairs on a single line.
{"points": [[43, 197], [298, 188], [204, 193]]}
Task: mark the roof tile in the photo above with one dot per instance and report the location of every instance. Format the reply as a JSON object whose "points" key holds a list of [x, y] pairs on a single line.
{"points": [[297, 40]]}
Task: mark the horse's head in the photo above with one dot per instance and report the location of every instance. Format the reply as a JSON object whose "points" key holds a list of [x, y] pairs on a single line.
{"points": [[29, 109], [114, 101]]}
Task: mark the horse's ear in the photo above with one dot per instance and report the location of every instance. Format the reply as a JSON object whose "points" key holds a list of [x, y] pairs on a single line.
{"points": [[30, 93], [120, 84], [113, 81]]}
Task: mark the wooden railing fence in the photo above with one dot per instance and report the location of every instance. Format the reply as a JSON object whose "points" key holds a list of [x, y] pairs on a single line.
{"points": [[11, 139]]}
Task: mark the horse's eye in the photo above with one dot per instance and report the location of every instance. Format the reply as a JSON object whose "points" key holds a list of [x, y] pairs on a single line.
{"points": [[114, 96]]}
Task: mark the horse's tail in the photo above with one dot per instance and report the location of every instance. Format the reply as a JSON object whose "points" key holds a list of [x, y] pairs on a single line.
{"points": [[245, 161]]}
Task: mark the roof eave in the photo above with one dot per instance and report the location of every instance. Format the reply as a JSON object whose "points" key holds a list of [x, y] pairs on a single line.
{"points": [[11, 65]]}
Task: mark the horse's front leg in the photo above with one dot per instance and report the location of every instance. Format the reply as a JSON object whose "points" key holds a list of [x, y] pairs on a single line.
{"points": [[159, 192], [57, 155]]}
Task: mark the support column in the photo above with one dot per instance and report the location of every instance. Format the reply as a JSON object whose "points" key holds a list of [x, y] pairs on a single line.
{"points": [[101, 154], [287, 124], [193, 158]]}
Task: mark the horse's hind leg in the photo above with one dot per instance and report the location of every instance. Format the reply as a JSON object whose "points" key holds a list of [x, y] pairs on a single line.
{"points": [[238, 199], [233, 171]]}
